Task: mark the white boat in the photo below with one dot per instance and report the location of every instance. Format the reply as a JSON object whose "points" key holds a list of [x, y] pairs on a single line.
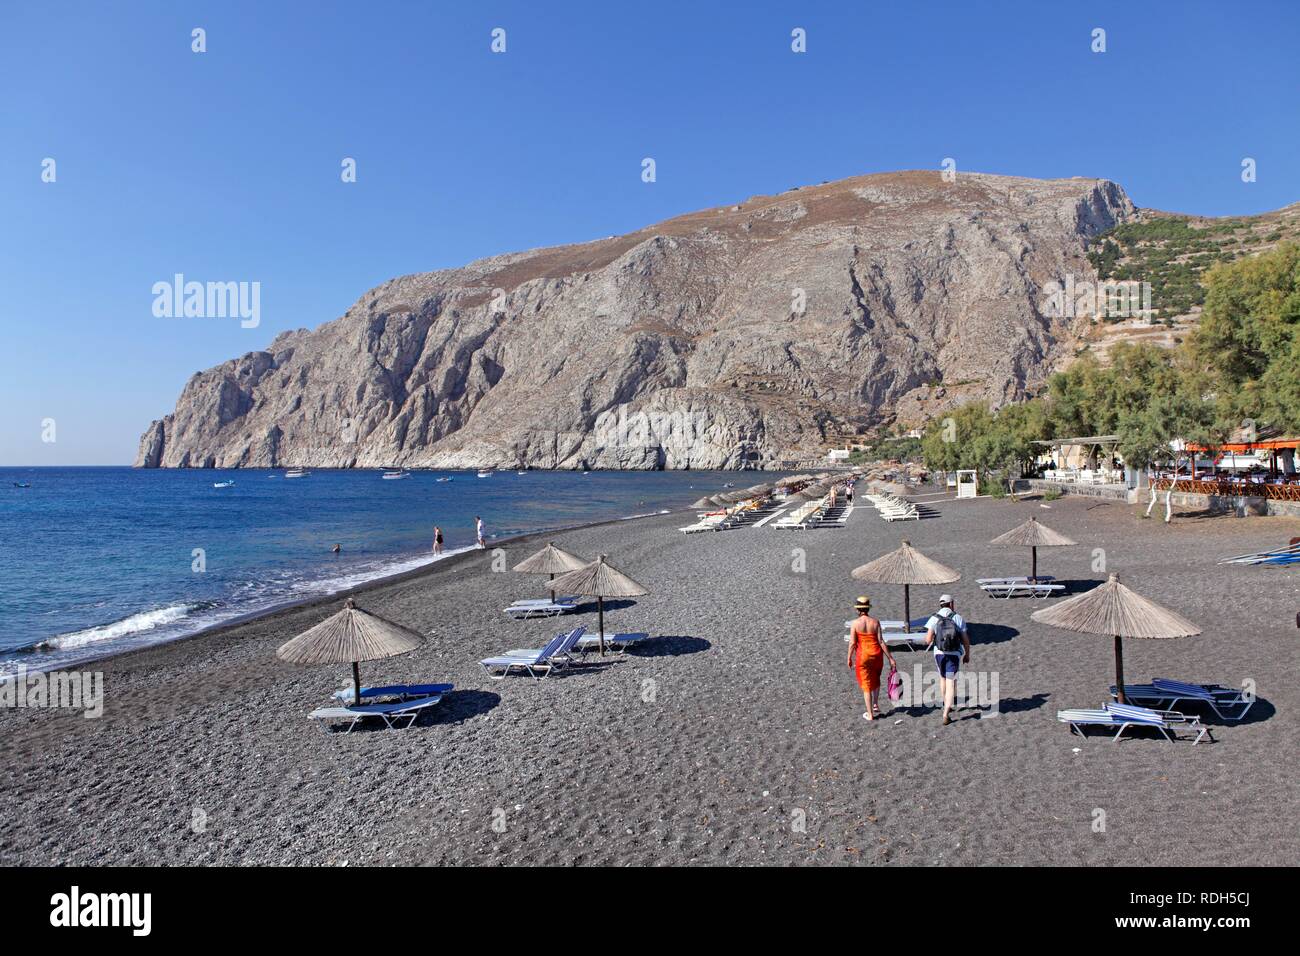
{"points": [[446, 479], [485, 473], [392, 474], [521, 472], [224, 484], [296, 473]]}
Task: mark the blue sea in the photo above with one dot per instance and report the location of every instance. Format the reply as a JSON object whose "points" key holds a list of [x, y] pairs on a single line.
{"points": [[95, 561]]}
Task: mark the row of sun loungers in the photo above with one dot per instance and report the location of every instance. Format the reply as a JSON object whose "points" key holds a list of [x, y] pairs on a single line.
{"points": [[1042, 586], [895, 508]]}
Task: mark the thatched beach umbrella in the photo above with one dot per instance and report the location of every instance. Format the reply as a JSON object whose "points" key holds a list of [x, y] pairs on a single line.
{"points": [[906, 566], [550, 560], [348, 637], [1033, 535], [1116, 610], [599, 580], [759, 489], [705, 502]]}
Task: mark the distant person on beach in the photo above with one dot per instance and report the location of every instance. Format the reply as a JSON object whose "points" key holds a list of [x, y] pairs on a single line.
{"points": [[478, 530], [437, 540], [946, 632], [867, 654]]}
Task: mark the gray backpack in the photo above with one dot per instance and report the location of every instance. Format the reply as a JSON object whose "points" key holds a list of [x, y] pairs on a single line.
{"points": [[947, 638]]}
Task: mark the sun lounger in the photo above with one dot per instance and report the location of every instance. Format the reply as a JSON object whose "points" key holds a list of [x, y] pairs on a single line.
{"points": [[565, 599], [554, 656], [1008, 590], [1124, 716], [391, 714], [893, 633], [1016, 579], [404, 691], [619, 642], [521, 612], [1165, 694]]}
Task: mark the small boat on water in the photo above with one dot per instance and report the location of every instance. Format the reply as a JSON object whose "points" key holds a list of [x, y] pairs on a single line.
{"points": [[392, 474], [446, 478], [485, 473], [297, 473], [230, 483], [521, 472], [22, 484]]}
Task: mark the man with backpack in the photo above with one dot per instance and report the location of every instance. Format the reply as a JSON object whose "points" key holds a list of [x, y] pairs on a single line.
{"points": [[946, 632]]}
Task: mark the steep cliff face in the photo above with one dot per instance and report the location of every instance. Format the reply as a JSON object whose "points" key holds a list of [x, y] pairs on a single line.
{"points": [[738, 336]]}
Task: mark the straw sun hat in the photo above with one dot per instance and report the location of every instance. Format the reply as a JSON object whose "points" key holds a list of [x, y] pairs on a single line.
{"points": [[863, 603]]}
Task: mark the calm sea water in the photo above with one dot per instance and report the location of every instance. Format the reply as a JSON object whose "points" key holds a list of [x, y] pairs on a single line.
{"points": [[100, 560]]}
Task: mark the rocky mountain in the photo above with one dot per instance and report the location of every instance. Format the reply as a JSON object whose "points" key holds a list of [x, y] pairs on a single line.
{"points": [[743, 336]]}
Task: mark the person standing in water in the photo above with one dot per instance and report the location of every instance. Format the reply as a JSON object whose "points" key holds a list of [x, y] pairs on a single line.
{"points": [[478, 530], [867, 654], [437, 540]]}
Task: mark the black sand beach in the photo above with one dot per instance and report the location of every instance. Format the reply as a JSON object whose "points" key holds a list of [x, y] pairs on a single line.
{"points": [[735, 737]]}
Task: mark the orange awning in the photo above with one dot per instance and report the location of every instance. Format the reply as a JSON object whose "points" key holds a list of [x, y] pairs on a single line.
{"points": [[1272, 444]]}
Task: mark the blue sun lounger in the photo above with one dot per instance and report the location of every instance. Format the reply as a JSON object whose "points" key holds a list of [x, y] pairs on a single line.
{"points": [[553, 657], [391, 714], [1164, 693], [1124, 716], [403, 691]]}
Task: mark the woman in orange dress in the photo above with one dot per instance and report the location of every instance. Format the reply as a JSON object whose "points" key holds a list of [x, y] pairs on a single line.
{"points": [[867, 654]]}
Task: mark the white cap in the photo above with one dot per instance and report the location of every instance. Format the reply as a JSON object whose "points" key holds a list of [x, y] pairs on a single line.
{"points": [[945, 598]]}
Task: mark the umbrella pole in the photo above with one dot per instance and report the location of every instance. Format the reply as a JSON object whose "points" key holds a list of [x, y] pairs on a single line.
{"points": [[600, 611], [907, 610], [1033, 574], [552, 590], [356, 681], [1119, 670]]}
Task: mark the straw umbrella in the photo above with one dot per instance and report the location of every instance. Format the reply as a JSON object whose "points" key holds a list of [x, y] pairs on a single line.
{"points": [[906, 566], [599, 580], [551, 560], [348, 637], [1033, 535], [1116, 610], [705, 502]]}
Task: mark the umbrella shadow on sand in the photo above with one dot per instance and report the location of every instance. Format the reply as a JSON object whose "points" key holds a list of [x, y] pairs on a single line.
{"points": [[989, 633], [669, 646], [617, 604]]}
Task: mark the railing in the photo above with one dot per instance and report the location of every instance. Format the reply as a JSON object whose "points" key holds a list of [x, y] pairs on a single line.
{"points": [[1231, 489]]}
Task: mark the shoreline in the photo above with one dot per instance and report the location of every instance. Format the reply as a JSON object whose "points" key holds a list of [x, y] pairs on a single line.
{"points": [[22, 656]]}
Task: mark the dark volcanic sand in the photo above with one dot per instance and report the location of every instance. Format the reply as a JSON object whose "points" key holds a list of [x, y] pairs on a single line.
{"points": [[752, 720]]}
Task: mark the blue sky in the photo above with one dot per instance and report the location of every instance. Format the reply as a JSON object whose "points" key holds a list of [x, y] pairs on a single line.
{"points": [[225, 165]]}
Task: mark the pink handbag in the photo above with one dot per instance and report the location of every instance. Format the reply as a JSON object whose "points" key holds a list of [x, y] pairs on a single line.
{"points": [[895, 683]]}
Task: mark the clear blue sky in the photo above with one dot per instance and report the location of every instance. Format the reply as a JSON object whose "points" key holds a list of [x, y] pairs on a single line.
{"points": [[225, 165]]}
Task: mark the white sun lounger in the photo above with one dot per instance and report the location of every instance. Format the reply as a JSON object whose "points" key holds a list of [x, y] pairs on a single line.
{"points": [[1040, 589], [1124, 716], [564, 599], [521, 612], [1016, 579], [554, 656], [390, 714]]}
